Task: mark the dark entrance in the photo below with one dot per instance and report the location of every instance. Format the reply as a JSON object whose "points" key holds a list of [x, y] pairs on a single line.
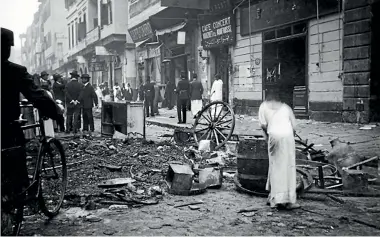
{"points": [[375, 62], [284, 66], [221, 67]]}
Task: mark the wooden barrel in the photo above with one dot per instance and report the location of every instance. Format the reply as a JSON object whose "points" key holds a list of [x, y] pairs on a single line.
{"points": [[252, 162]]}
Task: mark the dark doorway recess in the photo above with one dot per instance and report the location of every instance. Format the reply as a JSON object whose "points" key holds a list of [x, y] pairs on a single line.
{"points": [[375, 62], [221, 67], [284, 69]]}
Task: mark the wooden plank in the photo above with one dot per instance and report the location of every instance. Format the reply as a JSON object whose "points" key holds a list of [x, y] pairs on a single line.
{"points": [[357, 14], [325, 106], [248, 95], [357, 52], [325, 37], [244, 42], [324, 76], [331, 96], [357, 27], [357, 40], [350, 4], [330, 66], [360, 78], [245, 58], [360, 65], [324, 27], [362, 91], [350, 104], [326, 86], [325, 57], [326, 116], [245, 50], [325, 47]]}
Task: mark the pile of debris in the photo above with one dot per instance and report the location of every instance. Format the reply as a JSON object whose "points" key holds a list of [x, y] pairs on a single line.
{"points": [[108, 171]]}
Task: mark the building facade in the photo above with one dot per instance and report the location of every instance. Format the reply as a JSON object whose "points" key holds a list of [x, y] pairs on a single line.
{"points": [[44, 43], [166, 38], [94, 24], [317, 58]]}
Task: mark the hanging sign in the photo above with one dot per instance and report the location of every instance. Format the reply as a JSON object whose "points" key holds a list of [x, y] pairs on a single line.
{"points": [[141, 32], [97, 66], [217, 30]]}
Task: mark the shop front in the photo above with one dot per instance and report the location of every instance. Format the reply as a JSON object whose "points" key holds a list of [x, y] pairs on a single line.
{"points": [[286, 43], [218, 34]]}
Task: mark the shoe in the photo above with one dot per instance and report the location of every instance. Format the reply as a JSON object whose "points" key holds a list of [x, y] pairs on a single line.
{"points": [[67, 132], [292, 206], [179, 123]]}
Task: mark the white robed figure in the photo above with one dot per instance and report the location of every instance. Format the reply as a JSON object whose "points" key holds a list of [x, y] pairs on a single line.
{"points": [[216, 94], [278, 121], [99, 94]]}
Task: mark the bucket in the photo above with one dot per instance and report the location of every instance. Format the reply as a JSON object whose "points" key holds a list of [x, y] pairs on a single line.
{"points": [[252, 162]]}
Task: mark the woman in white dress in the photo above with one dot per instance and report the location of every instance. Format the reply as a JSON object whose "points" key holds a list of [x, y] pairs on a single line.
{"points": [[277, 121]]}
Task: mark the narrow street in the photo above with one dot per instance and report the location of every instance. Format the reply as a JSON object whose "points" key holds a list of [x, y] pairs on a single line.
{"points": [[218, 212]]}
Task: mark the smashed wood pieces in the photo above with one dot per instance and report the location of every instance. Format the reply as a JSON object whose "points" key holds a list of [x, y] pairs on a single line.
{"points": [[101, 160]]}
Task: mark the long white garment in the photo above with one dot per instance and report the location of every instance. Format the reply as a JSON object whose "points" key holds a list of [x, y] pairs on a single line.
{"points": [[279, 120], [216, 95], [100, 96], [196, 106]]}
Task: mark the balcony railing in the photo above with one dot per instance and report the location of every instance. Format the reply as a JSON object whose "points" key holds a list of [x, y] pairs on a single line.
{"points": [[92, 36]]}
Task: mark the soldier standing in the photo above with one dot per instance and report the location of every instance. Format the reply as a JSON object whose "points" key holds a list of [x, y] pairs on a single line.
{"points": [[149, 94], [73, 90], [183, 95]]}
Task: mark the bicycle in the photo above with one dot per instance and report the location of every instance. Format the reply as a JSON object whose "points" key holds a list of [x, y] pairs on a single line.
{"points": [[46, 168]]}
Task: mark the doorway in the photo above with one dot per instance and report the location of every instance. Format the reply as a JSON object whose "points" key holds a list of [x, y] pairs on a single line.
{"points": [[221, 67], [284, 66], [375, 62]]}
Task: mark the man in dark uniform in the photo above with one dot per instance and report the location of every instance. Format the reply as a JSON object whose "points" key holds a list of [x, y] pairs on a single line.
{"points": [[73, 90], [88, 98], [15, 80], [59, 94], [149, 94], [183, 95]]}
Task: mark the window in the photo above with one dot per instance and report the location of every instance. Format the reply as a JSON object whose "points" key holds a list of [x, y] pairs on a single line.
{"points": [[72, 34], [106, 13], [289, 31], [68, 28]]}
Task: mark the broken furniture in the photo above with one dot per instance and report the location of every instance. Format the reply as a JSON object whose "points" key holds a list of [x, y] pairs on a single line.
{"points": [[125, 117], [180, 181]]}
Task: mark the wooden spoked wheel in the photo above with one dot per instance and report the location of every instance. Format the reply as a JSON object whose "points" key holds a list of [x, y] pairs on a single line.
{"points": [[215, 122]]}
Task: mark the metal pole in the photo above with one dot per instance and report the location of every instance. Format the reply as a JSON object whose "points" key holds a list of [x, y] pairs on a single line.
{"points": [[111, 79]]}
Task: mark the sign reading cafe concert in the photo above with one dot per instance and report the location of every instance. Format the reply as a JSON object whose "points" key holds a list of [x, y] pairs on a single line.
{"points": [[141, 32], [217, 30]]}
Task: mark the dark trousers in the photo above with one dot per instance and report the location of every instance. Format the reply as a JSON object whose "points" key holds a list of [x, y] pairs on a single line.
{"points": [[181, 108], [14, 173], [61, 123], [88, 119], [149, 104], [170, 100], [73, 119]]}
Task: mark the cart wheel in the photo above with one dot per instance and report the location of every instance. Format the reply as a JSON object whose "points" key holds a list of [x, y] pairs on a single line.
{"points": [[215, 122]]}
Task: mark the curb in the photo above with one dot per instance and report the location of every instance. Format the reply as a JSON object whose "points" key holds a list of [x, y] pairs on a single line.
{"points": [[165, 125]]}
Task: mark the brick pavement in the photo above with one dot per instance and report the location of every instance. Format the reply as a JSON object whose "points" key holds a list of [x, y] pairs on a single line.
{"points": [[366, 142]]}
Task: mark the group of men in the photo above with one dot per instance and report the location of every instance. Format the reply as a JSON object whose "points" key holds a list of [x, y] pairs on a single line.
{"points": [[77, 98]]}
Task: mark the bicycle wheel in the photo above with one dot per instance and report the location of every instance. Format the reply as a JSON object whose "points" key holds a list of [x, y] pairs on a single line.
{"points": [[53, 177]]}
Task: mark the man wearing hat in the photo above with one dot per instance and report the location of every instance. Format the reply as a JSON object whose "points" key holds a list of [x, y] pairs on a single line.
{"points": [[44, 81], [183, 95], [149, 94], [59, 96], [73, 90], [196, 91], [88, 98], [15, 80]]}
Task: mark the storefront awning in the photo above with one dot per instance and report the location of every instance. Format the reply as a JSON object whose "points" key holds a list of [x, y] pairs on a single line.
{"points": [[172, 16], [171, 29], [138, 44]]}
